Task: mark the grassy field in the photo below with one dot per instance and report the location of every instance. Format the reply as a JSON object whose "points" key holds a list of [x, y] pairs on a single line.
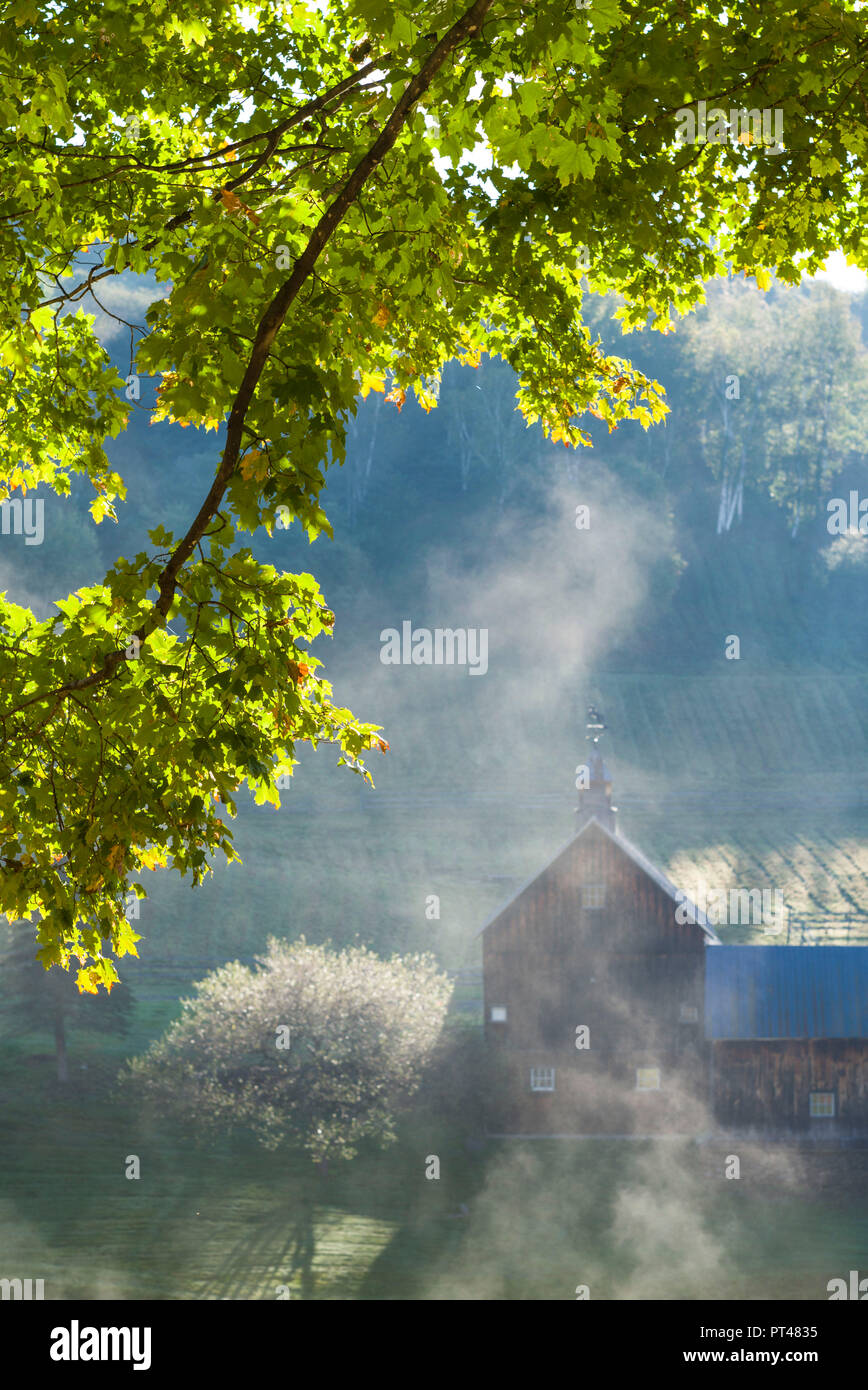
{"points": [[233, 1222]]}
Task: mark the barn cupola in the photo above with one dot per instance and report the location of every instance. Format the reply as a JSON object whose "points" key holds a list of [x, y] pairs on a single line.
{"points": [[593, 779]]}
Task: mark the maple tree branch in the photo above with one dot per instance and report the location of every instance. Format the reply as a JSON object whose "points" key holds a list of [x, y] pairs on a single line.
{"points": [[272, 138], [466, 27], [277, 310]]}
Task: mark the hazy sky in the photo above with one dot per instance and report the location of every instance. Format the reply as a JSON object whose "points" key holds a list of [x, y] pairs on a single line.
{"points": [[842, 275]]}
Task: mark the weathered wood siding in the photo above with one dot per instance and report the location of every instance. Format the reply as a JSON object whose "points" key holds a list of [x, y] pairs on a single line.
{"points": [[623, 971], [765, 1085], [597, 1094]]}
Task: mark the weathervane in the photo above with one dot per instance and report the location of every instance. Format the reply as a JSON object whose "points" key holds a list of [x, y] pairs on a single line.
{"points": [[595, 724]]}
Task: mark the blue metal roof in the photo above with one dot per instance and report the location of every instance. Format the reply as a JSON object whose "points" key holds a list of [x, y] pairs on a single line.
{"points": [[786, 992]]}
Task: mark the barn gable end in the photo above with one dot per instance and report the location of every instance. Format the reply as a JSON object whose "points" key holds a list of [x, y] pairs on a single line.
{"points": [[590, 976]]}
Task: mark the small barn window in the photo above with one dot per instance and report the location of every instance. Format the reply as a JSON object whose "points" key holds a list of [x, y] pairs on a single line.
{"points": [[593, 895], [822, 1105], [647, 1078], [542, 1078], [498, 1013], [689, 1013]]}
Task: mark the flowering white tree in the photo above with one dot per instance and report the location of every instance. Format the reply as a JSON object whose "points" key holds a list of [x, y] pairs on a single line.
{"points": [[312, 1046]]}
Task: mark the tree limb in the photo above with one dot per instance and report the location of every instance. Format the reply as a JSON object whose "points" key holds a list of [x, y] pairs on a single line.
{"points": [[466, 27]]}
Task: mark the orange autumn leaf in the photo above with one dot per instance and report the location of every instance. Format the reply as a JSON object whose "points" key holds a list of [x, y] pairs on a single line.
{"points": [[397, 397], [381, 317], [232, 203], [383, 745], [115, 858], [254, 465]]}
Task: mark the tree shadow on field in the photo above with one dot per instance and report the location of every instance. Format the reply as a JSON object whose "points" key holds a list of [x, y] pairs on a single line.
{"points": [[278, 1250]]}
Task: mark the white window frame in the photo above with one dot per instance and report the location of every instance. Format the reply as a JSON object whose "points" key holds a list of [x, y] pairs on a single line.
{"points": [[820, 1113], [498, 1013], [655, 1071], [688, 1013], [538, 1075], [593, 896]]}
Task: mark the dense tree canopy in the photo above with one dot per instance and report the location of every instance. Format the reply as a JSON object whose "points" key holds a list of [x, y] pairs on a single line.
{"points": [[328, 201]]}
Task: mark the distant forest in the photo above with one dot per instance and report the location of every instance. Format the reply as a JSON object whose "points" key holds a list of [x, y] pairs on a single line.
{"points": [[768, 394]]}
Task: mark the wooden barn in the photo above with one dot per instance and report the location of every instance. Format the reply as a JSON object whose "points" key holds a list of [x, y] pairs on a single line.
{"points": [[611, 1006]]}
